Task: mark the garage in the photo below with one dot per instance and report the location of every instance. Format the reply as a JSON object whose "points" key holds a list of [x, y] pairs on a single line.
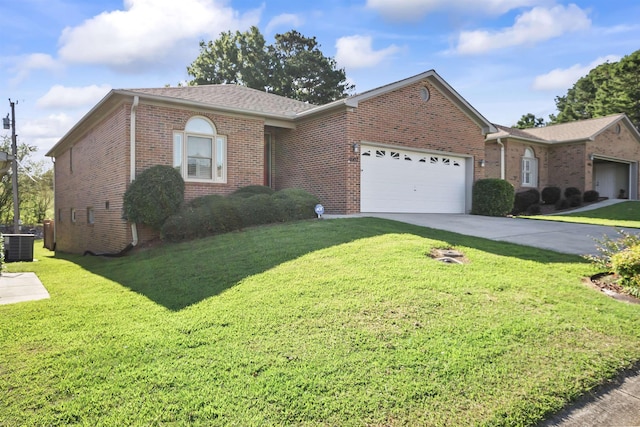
{"points": [[396, 180], [611, 179]]}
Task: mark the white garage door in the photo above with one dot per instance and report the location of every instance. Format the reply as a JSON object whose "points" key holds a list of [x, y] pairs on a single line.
{"points": [[411, 182]]}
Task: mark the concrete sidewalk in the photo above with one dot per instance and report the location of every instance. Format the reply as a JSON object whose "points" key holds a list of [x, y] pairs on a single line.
{"points": [[20, 287]]}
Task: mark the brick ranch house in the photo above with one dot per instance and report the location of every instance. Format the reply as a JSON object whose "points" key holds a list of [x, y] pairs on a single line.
{"points": [[410, 146], [598, 154]]}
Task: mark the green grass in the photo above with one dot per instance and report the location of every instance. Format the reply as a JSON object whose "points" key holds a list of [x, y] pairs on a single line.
{"points": [[337, 322], [624, 214]]}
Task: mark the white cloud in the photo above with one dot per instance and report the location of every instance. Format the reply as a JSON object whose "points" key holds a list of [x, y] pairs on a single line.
{"points": [[564, 78], [148, 31], [44, 132], [538, 24], [288, 19], [72, 97], [414, 10], [34, 61], [357, 52]]}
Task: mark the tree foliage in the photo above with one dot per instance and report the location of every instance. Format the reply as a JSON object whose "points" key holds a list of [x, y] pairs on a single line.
{"points": [[610, 88], [294, 66], [35, 187], [529, 120], [156, 194]]}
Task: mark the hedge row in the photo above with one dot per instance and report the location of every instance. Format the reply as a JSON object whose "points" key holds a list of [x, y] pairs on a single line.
{"points": [[248, 206], [529, 201]]}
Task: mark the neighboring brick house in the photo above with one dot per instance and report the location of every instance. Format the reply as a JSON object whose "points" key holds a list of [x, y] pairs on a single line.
{"points": [[599, 154], [410, 146]]}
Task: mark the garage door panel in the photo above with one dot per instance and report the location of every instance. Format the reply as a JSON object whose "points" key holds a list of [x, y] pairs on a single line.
{"points": [[406, 181]]}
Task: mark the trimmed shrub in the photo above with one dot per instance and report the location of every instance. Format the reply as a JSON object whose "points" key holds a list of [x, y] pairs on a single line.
{"points": [[215, 214], [534, 209], [295, 203], [571, 191], [258, 209], [153, 196], [492, 197], [524, 199], [590, 196], [626, 264], [575, 201], [562, 204], [551, 195], [252, 190]]}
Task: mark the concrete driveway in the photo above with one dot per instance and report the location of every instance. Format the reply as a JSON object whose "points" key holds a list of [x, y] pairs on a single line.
{"points": [[562, 237]]}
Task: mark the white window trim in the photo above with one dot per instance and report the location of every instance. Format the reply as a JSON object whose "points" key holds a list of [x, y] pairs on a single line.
{"points": [[218, 143], [529, 169]]}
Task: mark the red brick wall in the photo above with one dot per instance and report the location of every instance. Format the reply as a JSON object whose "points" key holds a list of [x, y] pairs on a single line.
{"points": [[314, 157], [245, 146], [513, 152], [567, 164], [622, 145], [318, 155], [101, 171], [94, 174], [403, 119]]}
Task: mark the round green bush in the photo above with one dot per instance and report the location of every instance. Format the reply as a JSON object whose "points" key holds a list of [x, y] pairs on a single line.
{"points": [[626, 263], [571, 191], [590, 196], [295, 204], [575, 200], [524, 199], [551, 195], [258, 209], [252, 190], [492, 197], [153, 196]]}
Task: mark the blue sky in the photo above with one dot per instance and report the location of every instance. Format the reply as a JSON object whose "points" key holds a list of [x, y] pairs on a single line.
{"points": [[505, 57]]}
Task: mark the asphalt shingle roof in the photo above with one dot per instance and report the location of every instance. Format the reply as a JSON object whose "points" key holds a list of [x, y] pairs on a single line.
{"points": [[231, 96], [573, 131]]}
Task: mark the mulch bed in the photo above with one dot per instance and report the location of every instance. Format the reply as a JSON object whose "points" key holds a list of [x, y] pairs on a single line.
{"points": [[607, 284]]}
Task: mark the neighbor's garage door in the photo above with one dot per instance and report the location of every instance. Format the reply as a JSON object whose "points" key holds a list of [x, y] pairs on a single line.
{"points": [[411, 182]]}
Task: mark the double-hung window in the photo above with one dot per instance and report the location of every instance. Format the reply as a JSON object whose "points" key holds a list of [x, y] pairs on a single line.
{"points": [[529, 169], [199, 153]]}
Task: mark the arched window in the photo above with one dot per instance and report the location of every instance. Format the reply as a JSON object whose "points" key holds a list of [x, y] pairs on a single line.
{"points": [[529, 169], [202, 150]]}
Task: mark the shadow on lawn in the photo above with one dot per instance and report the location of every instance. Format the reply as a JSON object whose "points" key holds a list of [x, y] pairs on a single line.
{"points": [[179, 275]]}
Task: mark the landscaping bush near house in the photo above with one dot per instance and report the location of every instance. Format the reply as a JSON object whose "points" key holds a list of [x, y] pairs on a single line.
{"points": [[257, 210], [551, 195], [216, 214], [626, 264], [524, 199], [562, 204], [252, 190], [492, 197], [575, 200], [295, 203], [571, 191], [534, 209], [155, 195], [590, 196]]}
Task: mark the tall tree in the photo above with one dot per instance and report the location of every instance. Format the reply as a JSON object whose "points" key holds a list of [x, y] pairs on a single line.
{"points": [[35, 187], [529, 120], [294, 66], [610, 88]]}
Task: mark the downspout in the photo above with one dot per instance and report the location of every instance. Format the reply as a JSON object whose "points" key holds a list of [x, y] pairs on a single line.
{"points": [[502, 166], [132, 160]]}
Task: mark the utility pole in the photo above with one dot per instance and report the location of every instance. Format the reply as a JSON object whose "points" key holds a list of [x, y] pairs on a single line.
{"points": [[14, 170]]}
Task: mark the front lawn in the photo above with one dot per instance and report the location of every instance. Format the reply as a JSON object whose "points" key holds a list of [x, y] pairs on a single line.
{"points": [[343, 322], [624, 214]]}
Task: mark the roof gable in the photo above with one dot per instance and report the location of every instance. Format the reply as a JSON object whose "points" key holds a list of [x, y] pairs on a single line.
{"points": [[437, 81], [580, 130]]}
